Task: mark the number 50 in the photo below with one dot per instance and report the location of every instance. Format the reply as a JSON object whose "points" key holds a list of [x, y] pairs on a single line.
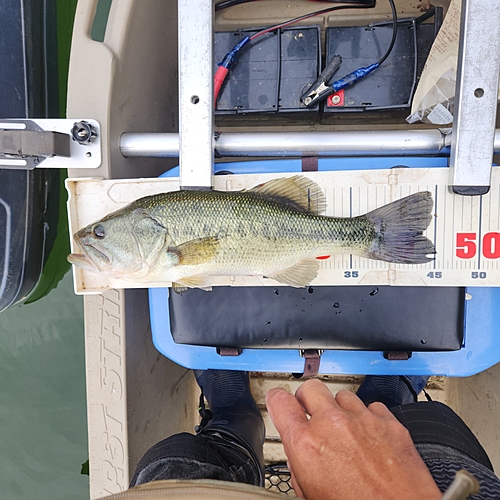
{"points": [[467, 248]]}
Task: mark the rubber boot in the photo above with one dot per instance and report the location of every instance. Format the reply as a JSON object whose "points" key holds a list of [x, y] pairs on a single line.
{"points": [[391, 390], [235, 412]]}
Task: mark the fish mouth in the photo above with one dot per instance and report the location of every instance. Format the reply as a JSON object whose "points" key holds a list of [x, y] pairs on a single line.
{"points": [[91, 259], [82, 261]]}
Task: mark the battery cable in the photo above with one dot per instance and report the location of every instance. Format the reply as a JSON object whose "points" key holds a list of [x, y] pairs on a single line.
{"points": [[311, 97]]}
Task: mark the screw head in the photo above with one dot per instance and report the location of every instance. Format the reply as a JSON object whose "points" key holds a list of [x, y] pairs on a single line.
{"points": [[336, 99], [83, 132]]}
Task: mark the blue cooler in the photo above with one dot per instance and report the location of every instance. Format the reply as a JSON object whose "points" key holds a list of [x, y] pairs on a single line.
{"points": [[401, 330]]}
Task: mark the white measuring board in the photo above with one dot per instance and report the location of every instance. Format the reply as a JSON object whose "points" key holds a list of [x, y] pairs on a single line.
{"points": [[465, 230]]}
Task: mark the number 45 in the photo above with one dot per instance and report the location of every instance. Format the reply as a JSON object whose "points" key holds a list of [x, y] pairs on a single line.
{"points": [[435, 274]]}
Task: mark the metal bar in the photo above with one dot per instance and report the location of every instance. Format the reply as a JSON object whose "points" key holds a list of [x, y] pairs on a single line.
{"points": [[475, 97], [195, 93], [33, 143], [149, 145], [361, 143], [463, 485], [286, 144]]}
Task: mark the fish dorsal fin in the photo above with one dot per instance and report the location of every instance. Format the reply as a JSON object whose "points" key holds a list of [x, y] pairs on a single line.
{"points": [[300, 190], [299, 275], [195, 252]]}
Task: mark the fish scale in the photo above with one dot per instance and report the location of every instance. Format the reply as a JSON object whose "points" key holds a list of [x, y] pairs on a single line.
{"points": [[238, 219]]}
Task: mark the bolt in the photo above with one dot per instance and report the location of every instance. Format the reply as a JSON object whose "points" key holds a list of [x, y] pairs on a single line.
{"points": [[336, 99], [83, 132]]}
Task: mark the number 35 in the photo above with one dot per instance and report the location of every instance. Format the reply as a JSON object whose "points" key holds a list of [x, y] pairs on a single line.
{"points": [[351, 274]]}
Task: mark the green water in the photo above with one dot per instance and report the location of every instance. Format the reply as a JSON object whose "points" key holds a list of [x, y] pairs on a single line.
{"points": [[43, 424]]}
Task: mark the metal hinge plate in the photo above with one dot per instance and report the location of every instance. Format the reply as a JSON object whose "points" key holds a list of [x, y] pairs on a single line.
{"points": [[26, 144]]}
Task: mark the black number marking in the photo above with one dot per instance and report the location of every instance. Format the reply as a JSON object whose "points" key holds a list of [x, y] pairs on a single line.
{"points": [[351, 274], [435, 274], [481, 275]]}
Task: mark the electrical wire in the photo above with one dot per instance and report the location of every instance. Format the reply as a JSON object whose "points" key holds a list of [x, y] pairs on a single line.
{"points": [[307, 16], [352, 78], [230, 57], [229, 3], [394, 33], [344, 82], [362, 3]]}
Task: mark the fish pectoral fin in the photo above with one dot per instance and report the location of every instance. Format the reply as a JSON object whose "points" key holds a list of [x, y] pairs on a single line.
{"points": [[299, 275], [178, 288], [199, 281], [195, 252], [304, 193]]}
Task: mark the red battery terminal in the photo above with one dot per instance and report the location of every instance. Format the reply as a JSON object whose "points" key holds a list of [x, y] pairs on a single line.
{"points": [[336, 100]]}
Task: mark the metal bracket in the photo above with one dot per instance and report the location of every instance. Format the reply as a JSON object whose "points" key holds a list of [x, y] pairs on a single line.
{"points": [[26, 144], [196, 150], [475, 97]]}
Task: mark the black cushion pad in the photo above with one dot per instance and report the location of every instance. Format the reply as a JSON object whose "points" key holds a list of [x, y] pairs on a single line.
{"points": [[380, 318]]}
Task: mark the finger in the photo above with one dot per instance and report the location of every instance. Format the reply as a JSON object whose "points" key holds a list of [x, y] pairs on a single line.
{"points": [[296, 488], [295, 484], [381, 410], [350, 402], [314, 396], [285, 412]]}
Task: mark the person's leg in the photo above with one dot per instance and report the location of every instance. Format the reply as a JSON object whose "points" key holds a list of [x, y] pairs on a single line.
{"points": [[188, 456], [228, 446], [427, 421], [446, 445], [441, 437], [432, 422], [235, 414]]}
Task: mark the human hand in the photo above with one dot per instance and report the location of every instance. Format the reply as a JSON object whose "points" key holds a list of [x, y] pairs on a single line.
{"points": [[346, 450]]}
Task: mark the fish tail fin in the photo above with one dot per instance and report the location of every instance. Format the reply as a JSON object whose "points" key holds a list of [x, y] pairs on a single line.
{"points": [[399, 227]]}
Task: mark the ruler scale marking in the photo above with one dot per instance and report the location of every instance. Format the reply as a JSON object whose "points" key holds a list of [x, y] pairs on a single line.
{"points": [[479, 240]]}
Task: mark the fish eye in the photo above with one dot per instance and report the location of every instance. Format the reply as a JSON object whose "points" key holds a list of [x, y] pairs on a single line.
{"points": [[99, 232]]}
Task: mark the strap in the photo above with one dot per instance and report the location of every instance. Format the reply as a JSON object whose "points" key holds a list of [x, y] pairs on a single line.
{"points": [[397, 355], [410, 388], [309, 164], [205, 414], [312, 360], [228, 351]]}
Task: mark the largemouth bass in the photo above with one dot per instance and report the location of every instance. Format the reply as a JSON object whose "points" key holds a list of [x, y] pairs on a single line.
{"points": [[275, 229]]}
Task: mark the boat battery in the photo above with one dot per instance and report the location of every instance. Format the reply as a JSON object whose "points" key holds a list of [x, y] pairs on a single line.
{"points": [[271, 73], [391, 86]]}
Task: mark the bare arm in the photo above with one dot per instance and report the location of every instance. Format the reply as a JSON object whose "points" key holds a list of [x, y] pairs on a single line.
{"points": [[346, 450]]}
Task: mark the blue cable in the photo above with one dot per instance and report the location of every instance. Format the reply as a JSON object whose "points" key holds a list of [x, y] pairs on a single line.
{"points": [[231, 56], [353, 77]]}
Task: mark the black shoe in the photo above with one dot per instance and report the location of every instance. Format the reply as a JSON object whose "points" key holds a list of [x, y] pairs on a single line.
{"points": [[391, 390], [235, 414]]}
